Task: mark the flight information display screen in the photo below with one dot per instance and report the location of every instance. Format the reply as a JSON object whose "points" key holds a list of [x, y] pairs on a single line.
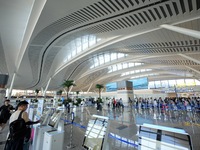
{"points": [[111, 87], [161, 137], [140, 83]]}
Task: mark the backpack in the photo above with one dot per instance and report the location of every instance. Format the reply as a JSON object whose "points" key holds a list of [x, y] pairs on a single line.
{"points": [[18, 128]]}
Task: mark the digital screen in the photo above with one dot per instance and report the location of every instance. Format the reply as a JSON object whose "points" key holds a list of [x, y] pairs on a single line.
{"points": [[95, 134], [44, 117], [111, 87], [54, 118], [140, 83], [3, 79], [160, 137]]}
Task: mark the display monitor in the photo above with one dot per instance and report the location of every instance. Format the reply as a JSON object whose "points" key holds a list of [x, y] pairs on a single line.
{"points": [[160, 137], [140, 83], [44, 117], [3, 79], [95, 134], [54, 119], [111, 87]]}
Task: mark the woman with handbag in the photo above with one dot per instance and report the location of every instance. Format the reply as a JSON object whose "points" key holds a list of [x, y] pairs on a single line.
{"points": [[19, 133]]}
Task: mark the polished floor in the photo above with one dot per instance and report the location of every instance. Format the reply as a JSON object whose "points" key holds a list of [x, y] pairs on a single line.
{"points": [[124, 125]]}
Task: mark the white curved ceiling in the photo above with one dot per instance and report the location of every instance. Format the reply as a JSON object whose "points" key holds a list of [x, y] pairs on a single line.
{"points": [[34, 33]]}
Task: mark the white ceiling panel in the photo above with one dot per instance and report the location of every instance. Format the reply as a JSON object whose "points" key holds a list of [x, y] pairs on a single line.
{"points": [[131, 27]]}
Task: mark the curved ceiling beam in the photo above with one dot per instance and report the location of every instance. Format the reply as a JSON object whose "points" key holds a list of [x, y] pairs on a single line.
{"points": [[144, 74], [86, 25], [106, 65], [166, 77], [190, 58], [190, 68], [125, 59], [121, 38], [35, 13], [158, 67], [115, 41], [117, 78], [189, 32]]}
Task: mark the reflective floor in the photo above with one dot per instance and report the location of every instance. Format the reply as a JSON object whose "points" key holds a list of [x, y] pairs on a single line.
{"points": [[124, 123]]}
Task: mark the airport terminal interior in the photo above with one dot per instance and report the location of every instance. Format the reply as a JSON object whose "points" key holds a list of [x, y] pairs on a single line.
{"points": [[103, 74]]}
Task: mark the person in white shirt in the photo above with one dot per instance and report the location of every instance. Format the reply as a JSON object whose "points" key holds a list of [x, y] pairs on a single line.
{"points": [[82, 105], [18, 143], [22, 106]]}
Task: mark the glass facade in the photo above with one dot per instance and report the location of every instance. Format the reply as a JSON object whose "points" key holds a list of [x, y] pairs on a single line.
{"points": [[121, 66], [136, 71], [106, 58], [80, 44], [172, 83]]}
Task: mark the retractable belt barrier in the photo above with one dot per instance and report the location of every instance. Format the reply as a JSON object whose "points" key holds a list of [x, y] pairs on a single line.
{"points": [[110, 134]]}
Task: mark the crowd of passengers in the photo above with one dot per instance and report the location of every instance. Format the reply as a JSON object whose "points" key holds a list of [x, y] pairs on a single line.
{"points": [[116, 103], [170, 103]]}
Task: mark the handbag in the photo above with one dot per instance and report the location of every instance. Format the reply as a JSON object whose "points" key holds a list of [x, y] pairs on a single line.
{"points": [[8, 145]]}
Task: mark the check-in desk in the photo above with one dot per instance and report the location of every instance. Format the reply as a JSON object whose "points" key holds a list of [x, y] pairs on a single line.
{"points": [[46, 134]]}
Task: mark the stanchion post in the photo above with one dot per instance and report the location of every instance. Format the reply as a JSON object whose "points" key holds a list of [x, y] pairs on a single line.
{"points": [[70, 146]]}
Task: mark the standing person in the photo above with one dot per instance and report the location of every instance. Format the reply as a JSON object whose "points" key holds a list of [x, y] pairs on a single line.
{"points": [[5, 113], [121, 103], [67, 105], [114, 103], [82, 105], [16, 141]]}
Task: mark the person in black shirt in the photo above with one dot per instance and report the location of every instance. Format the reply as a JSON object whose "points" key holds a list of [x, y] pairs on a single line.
{"points": [[5, 113]]}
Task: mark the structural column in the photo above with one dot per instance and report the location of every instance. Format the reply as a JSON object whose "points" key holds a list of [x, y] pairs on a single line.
{"points": [[89, 87], [124, 91], [45, 90], [11, 86]]}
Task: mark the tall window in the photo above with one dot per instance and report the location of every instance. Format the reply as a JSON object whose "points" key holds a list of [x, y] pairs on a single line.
{"points": [[101, 59], [158, 84], [85, 42], [152, 85], [106, 58], [113, 56], [172, 83], [79, 44], [179, 83], [119, 66], [165, 84], [125, 65], [92, 40]]}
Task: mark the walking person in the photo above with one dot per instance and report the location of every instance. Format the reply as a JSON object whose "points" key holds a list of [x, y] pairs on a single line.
{"points": [[5, 113], [121, 103], [82, 105], [114, 102]]}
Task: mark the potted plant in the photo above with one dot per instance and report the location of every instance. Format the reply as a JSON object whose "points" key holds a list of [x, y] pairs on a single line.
{"points": [[67, 84], [36, 92], [99, 87], [77, 92]]}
